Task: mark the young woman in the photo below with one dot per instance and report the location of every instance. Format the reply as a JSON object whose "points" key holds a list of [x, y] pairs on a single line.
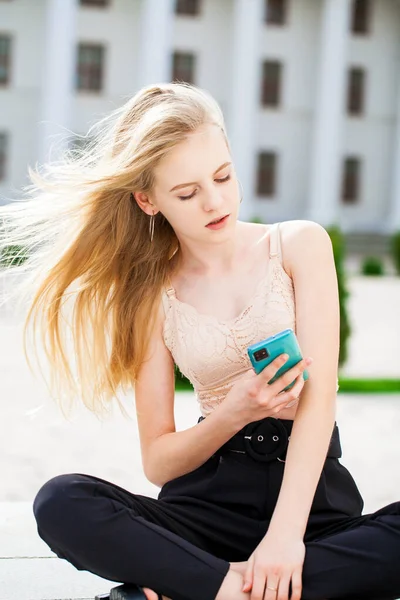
{"points": [[254, 503]]}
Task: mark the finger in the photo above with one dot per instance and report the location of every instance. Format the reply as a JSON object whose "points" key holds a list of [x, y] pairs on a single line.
{"points": [[268, 372], [283, 589], [290, 375], [248, 576], [257, 592], [298, 385], [271, 588], [289, 397], [296, 399], [299, 382], [296, 585]]}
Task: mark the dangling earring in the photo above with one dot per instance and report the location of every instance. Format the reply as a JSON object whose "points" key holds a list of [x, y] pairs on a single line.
{"points": [[151, 224], [151, 227], [241, 199]]}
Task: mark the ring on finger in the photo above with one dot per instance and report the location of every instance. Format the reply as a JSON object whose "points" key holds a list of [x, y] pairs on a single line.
{"points": [[271, 588]]}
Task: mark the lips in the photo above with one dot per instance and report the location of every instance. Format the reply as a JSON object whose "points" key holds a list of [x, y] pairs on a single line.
{"points": [[217, 220]]}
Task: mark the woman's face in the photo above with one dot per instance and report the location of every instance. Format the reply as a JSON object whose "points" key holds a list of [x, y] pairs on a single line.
{"points": [[196, 183]]}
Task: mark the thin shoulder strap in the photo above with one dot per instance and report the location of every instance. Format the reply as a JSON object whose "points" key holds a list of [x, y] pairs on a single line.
{"points": [[275, 242], [165, 301], [166, 294], [169, 290]]}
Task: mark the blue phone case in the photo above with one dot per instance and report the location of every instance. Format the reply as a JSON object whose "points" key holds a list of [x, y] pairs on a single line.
{"points": [[263, 353]]}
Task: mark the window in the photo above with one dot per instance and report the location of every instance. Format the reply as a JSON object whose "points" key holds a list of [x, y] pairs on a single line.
{"points": [[183, 67], [266, 173], [3, 155], [95, 3], [90, 67], [275, 12], [351, 180], [361, 16], [5, 51], [187, 7], [271, 83], [355, 91]]}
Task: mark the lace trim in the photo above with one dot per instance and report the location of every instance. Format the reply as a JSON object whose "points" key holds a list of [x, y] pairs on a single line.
{"points": [[209, 338], [183, 306]]}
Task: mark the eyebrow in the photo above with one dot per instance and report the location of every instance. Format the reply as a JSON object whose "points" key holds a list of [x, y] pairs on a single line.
{"points": [[194, 182]]}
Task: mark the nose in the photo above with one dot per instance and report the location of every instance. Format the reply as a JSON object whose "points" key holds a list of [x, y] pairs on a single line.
{"points": [[213, 198]]}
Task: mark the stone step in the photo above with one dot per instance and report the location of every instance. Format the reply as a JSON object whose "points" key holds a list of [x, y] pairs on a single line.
{"points": [[29, 570], [367, 244]]}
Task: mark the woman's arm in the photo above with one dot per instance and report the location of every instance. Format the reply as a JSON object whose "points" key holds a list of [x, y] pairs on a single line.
{"points": [[179, 452], [166, 453], [309, 255]]}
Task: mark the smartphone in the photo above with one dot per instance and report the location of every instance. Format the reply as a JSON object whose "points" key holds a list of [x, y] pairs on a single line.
{"points": [[263, 353]]}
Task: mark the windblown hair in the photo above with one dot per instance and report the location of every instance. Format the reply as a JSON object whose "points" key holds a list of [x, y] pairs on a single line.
{"points": [[92, 275]]}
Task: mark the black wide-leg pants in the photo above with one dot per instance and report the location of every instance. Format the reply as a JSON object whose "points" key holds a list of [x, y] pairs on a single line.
{"points": [[181, 543]]}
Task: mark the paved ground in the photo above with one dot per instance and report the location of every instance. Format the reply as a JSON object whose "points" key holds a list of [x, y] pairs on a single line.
{"points": [[30, 571], [37, 443]]}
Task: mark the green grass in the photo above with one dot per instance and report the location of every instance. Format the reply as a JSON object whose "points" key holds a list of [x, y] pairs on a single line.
{"points": [[369, 386], [349, 386]]}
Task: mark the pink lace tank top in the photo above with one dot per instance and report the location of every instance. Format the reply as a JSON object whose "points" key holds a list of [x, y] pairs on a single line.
{"points": [[212, 353]]}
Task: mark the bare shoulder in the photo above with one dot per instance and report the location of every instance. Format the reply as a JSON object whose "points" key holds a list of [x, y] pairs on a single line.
{"points": [[297, 236]]}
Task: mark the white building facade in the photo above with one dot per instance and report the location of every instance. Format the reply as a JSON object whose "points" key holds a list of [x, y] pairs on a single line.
{"points": [[312, 105]]}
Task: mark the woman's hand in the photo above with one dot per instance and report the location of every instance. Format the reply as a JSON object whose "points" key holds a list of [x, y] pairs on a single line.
{"points": [[275, 563], [252, 398]]}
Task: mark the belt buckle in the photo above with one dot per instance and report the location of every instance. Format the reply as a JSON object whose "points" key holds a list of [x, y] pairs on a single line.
{"points": [[269, 427]]}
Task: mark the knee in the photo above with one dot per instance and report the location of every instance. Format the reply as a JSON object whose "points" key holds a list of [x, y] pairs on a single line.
{"points": [[52, 504]]}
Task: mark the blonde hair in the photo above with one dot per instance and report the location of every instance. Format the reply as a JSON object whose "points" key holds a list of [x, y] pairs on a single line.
{"points": [[89, 252]]}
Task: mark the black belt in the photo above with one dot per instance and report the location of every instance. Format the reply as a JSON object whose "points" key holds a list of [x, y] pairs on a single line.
{"points": [[268, 440]]}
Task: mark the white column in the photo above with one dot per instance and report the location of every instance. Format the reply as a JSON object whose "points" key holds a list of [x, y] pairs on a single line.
{"points": [[244, 96], [155, 62], [57, 77], [393, 222], [326, 154]]}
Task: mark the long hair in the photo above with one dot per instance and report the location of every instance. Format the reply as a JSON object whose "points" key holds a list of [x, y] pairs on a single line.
{"points": [[93, 280]]}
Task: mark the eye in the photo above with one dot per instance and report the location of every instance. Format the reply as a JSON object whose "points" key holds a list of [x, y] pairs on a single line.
{"points": [[224, 179], [218, 180]]}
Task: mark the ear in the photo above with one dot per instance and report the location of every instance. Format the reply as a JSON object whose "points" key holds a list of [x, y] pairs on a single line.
{"points": [[144, 202]]}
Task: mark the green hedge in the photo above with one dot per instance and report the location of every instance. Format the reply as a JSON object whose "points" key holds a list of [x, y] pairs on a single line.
{"points": [[372, 265], [395, 250], [369, 386], [339, 253]]}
